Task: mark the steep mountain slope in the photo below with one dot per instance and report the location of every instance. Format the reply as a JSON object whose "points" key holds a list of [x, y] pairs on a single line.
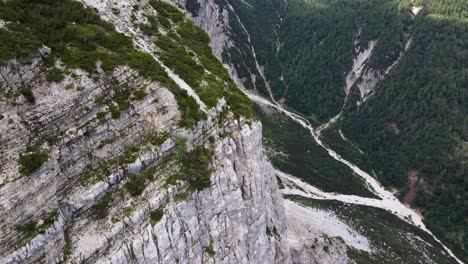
{"points": [[391, 73], [414, 129], [111, 154], [125, 140]]}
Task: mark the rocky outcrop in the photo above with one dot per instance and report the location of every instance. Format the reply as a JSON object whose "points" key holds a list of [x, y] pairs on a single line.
{"points": [[226, 223], [75, 206]]}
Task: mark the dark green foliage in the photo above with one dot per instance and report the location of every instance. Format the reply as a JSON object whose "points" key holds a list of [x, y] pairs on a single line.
{"points": [[80, 38], [209, 250], [345, 148], [167, 10], [139, 94], [180, 146], [426, 98], [157, 138], [16, 44], [54, 75], [129, 156], [32, 228], [47, 220], [115, 111], [193, 7], [272, 232], [150, 28], [164, 22], [28, 94], [28, 229], [261, 21], [193, 166], [156, 215], [303, 158], [100, 209], [319, 47], [177, 58], [67, 248], [135, 184], [188, 53], [101, 115], [32, 161], [424, 95]]}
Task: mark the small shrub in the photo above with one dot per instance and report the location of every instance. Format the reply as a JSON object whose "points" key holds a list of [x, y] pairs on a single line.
{"points": [[272, 232], [28, 94], [101, 99], [136, 184], [156, 215], [130, 155], [181, 146], [101, 208], [67, 248], [54, 75], [195, 168], [139, 94], [157, 138], [209, 250], [30, 162], [101, 115], [115, 111], [47, 220], [28, 229]]}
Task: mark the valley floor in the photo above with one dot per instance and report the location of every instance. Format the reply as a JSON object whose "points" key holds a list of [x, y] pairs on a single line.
{"points": [[384, 199]]}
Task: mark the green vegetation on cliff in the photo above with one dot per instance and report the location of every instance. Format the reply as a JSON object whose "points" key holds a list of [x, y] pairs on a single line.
{"points": [[185, 48], [79, 38]]}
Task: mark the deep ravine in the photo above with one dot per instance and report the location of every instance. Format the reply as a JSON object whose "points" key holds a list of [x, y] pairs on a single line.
{"points": [[387, 200]]}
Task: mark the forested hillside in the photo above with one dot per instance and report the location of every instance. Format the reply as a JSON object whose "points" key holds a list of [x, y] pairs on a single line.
{"points": [[413, 129], [416, 123], [319, 46]]}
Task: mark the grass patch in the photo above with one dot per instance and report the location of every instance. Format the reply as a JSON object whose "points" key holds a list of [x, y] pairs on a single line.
{"points": [[137, 182], [157, 138]]}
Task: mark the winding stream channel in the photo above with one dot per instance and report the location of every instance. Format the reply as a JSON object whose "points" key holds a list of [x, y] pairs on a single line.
{"points": [[387, 200]]}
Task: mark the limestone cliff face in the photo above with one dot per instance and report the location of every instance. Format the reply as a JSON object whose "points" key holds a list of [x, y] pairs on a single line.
{"points": [[74, 207]]}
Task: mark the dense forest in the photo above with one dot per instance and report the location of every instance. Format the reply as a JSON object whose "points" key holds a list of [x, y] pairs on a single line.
{"points": [[425, 98], [319, 46], [254, 27], [416, 121]]}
